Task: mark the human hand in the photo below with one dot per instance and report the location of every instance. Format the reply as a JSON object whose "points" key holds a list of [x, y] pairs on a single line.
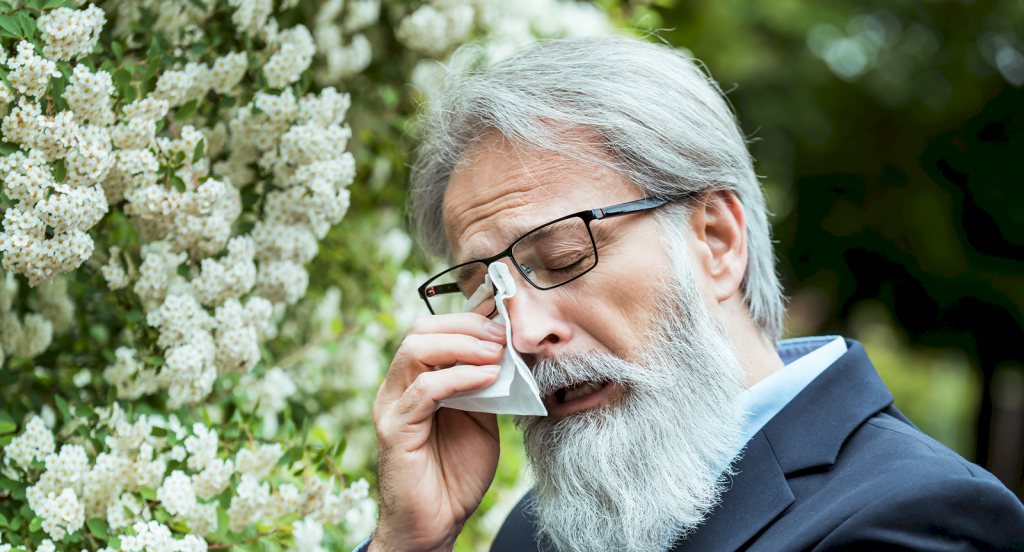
{"points": [[435, 465]]}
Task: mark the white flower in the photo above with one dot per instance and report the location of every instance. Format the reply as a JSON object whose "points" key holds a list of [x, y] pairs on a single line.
{"points": [[434, 31], [68, 33], [30, 73], [149, 537], [214, 478], [148, 108], [258, 463], [203, 519], [46, 546], [361, 14], [178, 453], [129, 375], [294, 57], [117, 516], [88, 95], [202, 446], [35, 443], [251, 15], [282, 281], [227, 71], [135, 133], [308, 533], [113, 272], [285, 502], [173, 86], [248, 504], [177, 494]]}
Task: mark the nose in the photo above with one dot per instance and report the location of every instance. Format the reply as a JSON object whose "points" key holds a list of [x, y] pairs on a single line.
{"points": [[539, 327]]}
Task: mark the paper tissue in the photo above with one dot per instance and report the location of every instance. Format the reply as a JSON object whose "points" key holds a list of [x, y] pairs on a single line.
{"points": [[515, 391]]}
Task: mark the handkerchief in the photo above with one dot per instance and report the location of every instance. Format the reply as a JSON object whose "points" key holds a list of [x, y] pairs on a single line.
{"points": [[515, 391]]}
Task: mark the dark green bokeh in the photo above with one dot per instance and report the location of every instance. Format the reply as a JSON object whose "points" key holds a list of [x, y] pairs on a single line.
{"points": [[892, 175]]}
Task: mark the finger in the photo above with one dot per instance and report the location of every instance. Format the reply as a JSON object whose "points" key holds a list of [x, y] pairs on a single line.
{"points": [[419, 402], [467, 323], [422, 353]]}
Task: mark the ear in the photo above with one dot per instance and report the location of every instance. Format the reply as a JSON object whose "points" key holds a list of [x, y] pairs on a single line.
{"points": [[719, 236]]}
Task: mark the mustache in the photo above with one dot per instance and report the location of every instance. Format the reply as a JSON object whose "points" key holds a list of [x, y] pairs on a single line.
{"points": [[568, 370]]}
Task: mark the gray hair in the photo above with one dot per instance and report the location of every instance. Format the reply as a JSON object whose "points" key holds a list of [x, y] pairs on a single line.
{"points": [[658, 120]]}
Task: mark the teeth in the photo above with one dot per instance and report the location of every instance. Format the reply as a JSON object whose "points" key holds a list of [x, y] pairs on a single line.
{"points": [[583, 391]]}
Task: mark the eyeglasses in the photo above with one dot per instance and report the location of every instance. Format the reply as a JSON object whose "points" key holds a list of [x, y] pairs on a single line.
{"points": [[548, 256]]}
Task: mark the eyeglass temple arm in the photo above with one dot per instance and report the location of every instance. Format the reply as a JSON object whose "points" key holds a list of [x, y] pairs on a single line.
{"points": [[439, 289], [631, 207]]}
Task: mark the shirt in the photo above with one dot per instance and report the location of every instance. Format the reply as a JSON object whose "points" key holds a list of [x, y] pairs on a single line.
{"points": [[805, 358]]}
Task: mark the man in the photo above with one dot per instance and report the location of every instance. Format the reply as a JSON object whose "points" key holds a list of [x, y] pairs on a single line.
{"points": [[649, 312]]}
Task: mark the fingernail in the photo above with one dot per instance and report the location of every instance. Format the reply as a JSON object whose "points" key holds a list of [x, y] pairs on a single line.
{"points": [[490, 345], [494, 328], [488, 369]]}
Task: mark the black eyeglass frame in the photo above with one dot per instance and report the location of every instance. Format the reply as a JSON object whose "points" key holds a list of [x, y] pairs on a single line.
{"points": [[426, 291]]}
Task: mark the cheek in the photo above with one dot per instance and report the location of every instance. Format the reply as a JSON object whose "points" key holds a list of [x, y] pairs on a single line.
{"points": [[615, 303]]}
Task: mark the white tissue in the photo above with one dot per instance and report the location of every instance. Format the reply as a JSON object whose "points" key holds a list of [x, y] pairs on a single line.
{"points": [[515, 391]]}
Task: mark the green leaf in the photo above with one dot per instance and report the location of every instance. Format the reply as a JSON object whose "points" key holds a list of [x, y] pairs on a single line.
{"points": [[118, 50], [227, 102], [305, 430], [37, 4], [7, 149], [121, 77], [160, 123], [186, 111], [135, 316], [199, 4], [197, 154], [155, 47], [147, 493], [3, 521], [130, 93], [16, 523], [222, 523], [178, 184], [27, 24], [62, 405], [115, 542], [152, 68], [206, 418], [7, 424], [59, 171], [9, 24], [5, 5], [51, 4], [158, 431], [37, 524], [97, 527]]}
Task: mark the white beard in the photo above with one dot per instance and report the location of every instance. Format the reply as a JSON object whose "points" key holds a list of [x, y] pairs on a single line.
{"points": [[643, 473]]}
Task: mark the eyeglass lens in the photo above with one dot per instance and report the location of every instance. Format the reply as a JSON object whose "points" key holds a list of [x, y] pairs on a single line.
{"points": [[549, 256], [554, 254]]}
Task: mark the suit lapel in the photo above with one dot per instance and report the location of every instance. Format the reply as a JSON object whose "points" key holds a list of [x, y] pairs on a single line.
{"points": [[808, 433], [757, 494]]}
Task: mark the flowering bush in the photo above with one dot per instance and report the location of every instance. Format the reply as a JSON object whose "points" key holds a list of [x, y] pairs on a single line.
{"points": [[173, 376]]}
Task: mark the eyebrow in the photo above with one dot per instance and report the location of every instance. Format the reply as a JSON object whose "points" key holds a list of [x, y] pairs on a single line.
{"points": [[466, 274]]}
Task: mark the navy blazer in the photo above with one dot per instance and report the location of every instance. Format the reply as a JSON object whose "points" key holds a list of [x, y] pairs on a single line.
{"points": [[840, 468]]}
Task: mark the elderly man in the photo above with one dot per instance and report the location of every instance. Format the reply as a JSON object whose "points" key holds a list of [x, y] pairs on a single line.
{"points": [[613, 180]]}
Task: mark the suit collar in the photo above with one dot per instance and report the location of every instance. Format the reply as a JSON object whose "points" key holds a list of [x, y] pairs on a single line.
{"points": [[811, 429], [807, 433]]}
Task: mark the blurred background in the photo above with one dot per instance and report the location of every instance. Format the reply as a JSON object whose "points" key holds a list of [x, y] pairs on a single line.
{"points": [[888, 135]]}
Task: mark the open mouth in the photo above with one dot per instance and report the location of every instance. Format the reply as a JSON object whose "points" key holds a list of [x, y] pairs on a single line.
{"points": [[578, 391]]}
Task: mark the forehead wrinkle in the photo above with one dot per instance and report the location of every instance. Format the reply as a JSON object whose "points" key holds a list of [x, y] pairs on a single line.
{"points": [[501, 196]]}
